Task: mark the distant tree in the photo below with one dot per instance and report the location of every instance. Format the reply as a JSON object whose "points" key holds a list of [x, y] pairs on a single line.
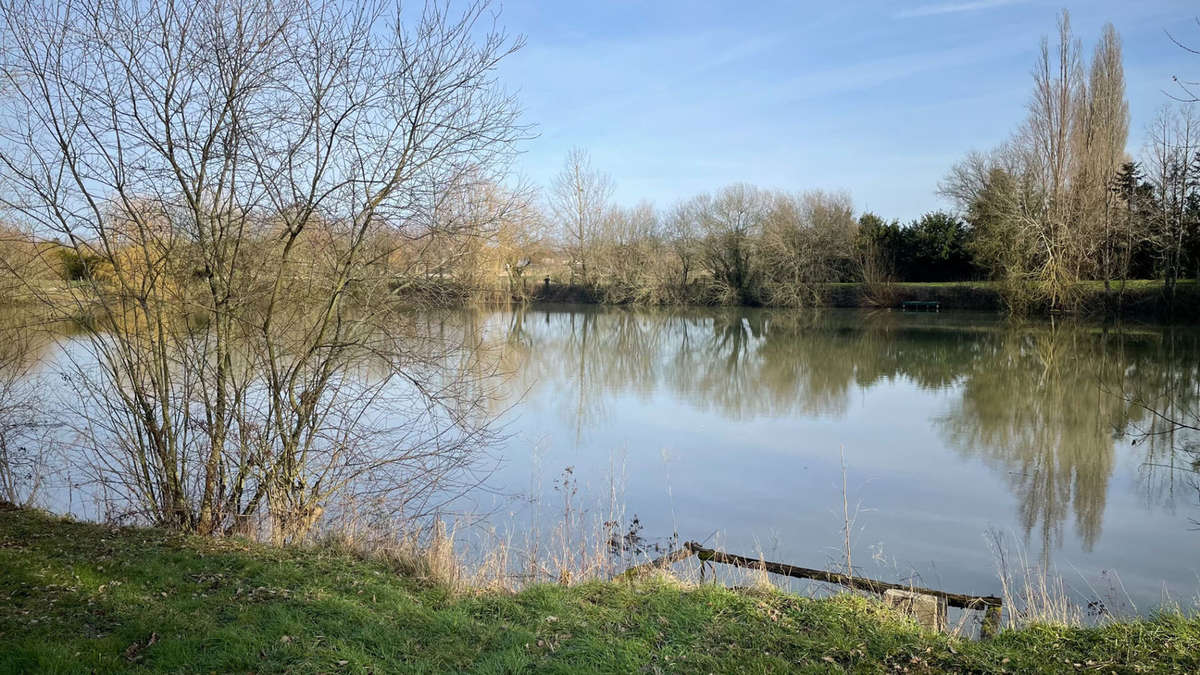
{"points": [[1174, 141], [730, 224], [1040, 207], [808, 241], [1123, 250], [682, 231], [937, 247], [881, 249], [628, 253], [579, 201], [1000, 217], [1048, 136], [1191, 244], [1099, 133], [19, 254], [74, 266]]}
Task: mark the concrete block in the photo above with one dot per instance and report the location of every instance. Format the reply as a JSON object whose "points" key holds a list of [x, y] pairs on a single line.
{"points": [[928, 610]]}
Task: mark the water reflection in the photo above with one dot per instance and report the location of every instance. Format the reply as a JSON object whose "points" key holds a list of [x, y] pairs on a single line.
{"points": [[963, 421], [1044, 405]]}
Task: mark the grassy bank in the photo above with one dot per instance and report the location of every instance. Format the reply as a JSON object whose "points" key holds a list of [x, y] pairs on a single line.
{"points": [[1140, 299], [968, 295], [79, 597]]}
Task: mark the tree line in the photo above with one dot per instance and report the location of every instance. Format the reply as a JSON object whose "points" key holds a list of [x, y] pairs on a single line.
{"points": [[1055, 210], [1055, 213], [1058, 205], [740, 244]]}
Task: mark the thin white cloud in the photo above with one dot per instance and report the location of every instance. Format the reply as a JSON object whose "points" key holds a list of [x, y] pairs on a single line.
{"points": [[953, 8]]}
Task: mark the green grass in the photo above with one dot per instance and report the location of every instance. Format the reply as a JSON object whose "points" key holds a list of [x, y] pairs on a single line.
{"points": [[78, 597]]}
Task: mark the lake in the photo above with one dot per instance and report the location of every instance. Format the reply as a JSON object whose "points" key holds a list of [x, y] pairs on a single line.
{"points": [[956, 431]]}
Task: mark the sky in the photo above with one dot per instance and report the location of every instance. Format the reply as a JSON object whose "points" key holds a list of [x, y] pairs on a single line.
{"points": [[875, 98]]}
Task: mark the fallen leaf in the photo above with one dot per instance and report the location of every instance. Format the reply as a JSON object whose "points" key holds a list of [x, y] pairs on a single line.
{"points": [[133, 652]]}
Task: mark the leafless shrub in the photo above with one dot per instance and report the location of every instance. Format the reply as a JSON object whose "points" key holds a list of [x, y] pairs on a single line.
{"points": [[232, 167]]}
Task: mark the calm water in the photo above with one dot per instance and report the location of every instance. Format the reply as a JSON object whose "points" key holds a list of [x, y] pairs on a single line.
{"points": [[729, 427], [952, 426]]}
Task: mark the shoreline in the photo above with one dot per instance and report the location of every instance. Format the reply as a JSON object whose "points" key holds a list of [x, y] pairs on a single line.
{"points": [[1142, 300], [88, 597]]}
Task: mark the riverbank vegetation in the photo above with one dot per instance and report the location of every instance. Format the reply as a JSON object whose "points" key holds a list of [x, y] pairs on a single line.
{"points": [[83, 597]]}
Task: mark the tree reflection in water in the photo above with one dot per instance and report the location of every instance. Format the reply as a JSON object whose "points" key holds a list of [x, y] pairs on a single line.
{"points": [[1044, 404]]}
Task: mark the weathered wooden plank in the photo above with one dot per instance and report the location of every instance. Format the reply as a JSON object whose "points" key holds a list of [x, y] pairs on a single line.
{"points": [[953, 599], [990, 605]]}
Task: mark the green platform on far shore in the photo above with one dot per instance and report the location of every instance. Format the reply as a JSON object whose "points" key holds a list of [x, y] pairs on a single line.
{"points": [[921, 306]]}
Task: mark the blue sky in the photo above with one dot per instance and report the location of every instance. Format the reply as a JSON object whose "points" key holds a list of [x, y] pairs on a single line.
{"points": [[877, 98]]}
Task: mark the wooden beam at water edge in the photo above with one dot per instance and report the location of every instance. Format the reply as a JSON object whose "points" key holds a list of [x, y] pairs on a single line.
{"points": [[860, 583], [990, 605]]}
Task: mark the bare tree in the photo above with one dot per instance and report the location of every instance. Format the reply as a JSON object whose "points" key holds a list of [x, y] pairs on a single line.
{"points": [[1100, 134], [807, 242], [1058, 81], [1173, 141], [520, 241], [629, 253], [1000, 196], [506, 238], [730, 223], [681, 230], [230, 164], [579, 201], [1043, 200]]}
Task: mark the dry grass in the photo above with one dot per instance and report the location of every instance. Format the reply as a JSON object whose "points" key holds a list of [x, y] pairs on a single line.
{"points": [[1035, 594]]}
